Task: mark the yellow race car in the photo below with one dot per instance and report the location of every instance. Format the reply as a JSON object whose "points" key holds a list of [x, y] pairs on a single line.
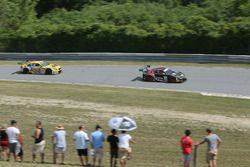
{"points": [[39, 67]]}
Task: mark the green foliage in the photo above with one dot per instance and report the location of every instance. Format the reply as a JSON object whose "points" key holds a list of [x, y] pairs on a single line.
{"points": [[195, 26]]}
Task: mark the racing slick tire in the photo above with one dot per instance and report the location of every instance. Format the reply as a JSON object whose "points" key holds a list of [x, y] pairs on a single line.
{"points": [[25, 71], [48, 72]]}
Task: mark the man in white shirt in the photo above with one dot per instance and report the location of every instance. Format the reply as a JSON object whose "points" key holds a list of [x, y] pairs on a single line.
{"points": [[124, 147], [14, 137], [81, 138], [60, 145]]}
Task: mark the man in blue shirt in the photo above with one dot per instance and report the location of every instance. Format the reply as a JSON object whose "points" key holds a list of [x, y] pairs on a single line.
{"points": [[81, 138], [96, 139], [60, 145]]}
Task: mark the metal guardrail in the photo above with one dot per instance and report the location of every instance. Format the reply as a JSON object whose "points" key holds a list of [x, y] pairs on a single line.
{"points": [[195, 58]]}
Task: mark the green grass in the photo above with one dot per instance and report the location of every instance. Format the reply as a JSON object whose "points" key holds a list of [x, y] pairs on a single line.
{"points": [[177, 101], [98, 62], [157, 137]]}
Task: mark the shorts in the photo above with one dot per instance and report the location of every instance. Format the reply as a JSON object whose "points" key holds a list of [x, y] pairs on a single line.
{"points": [[211, 156], [60, 150], [20, 152], [123, 153], [39, 147], [82, 152], [98, 153], [4, 143], [12, 147], [114, 153], [187, 157]]}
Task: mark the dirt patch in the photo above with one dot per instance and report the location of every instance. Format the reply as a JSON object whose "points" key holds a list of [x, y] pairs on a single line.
{"points": [[218, 120]]}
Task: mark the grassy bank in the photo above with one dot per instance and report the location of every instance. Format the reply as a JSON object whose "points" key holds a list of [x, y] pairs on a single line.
{"points": [[158, 114]]}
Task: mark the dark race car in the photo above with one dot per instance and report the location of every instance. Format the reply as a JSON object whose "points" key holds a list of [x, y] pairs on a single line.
{"points": [[162, 74]]}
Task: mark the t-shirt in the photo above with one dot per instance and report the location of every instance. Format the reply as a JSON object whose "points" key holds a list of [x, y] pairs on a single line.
{"points": [[113, 141], [124, 140], [97, 138], [12, 133], [212, 141], [186, 145], [60, 138], [80, 138]]}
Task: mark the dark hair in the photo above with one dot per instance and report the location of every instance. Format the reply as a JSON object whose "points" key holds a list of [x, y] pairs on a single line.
{"points": [[123, 131], [39, 123], [98, 127], [80, 127], [208, 130], [188, 132], [113, 131], [12, 122]]}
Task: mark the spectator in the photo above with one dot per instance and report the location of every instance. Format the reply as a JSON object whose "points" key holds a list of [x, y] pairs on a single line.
{"points": [[97, 138], [124, 147], [4, 144], [39, 142], [60, 145], [113, 141], [14, 136], [19, 149], [80, 138], [186, 145], [213, 141]]}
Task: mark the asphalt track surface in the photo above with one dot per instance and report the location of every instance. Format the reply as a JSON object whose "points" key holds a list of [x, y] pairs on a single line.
{"points": [[214, 80]]}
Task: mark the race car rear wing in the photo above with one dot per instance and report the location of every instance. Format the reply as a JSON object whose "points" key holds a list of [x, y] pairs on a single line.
{"points": [[23, 62], [144, 68]]}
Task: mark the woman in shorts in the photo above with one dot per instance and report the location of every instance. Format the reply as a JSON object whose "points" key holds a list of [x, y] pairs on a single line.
{"points": [[4, 144]]}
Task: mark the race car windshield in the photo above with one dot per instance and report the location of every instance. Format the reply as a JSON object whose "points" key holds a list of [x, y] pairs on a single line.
{"points": [[168, 71], [44, 63]]}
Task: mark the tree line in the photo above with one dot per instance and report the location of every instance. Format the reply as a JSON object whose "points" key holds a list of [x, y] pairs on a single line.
{"points": [[179, 26]]}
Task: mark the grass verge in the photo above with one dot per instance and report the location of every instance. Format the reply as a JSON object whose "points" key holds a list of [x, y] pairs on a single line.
{"points": [[157, 136]]}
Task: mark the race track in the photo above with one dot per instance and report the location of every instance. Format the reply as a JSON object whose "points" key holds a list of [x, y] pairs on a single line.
{"points": [[216, 80]]}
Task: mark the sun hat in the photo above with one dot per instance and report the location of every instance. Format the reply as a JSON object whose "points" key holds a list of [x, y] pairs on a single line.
{"points": [[59, 127]]}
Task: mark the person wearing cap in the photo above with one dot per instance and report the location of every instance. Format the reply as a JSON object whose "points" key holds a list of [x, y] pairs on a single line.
{"points": [[186, 145], [81, 138], [113, 141], [96, 139], [39, 142], [213, 142], [14, 136], [4, 143], [60, 145]]}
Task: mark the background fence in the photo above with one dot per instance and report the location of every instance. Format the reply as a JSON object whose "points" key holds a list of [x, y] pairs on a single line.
{"points": [[195, 58]]}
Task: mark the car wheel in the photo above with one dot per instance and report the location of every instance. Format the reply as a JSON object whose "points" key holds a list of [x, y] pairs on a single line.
{"points": [[165, 79], [25, 71], [48, 72]]}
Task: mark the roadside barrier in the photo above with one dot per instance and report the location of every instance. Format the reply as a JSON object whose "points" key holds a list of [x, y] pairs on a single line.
{"points": [[193, 58]]}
